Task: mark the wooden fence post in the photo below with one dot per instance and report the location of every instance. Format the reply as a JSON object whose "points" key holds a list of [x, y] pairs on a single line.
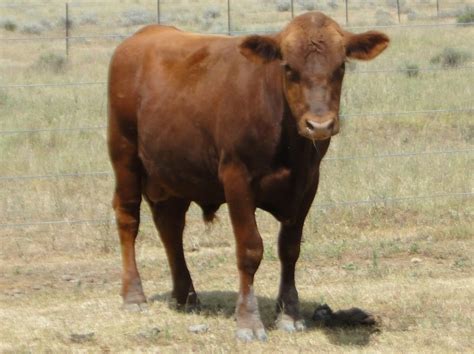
{"points": [[228, 18], [158, 12], [67, 29], [347, 11], [292, 9], [398, 10]]}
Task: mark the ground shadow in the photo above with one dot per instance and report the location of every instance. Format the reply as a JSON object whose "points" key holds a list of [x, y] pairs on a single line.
{"points": [[222, 303]]}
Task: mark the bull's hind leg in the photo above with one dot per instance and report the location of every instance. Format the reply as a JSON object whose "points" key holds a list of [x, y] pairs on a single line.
{"points": [[126, 203], [169, 218]]}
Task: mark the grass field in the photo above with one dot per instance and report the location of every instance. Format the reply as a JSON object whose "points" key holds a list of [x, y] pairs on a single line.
{"points": [[409, 261]]}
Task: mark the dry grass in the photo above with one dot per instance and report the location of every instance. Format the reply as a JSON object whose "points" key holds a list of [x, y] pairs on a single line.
{"points": [[408, 262]]}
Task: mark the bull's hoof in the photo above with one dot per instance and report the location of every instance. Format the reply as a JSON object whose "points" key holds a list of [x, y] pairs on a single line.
{"points": [[134, 307], [288, 324], [248, 334], [192, 303]]}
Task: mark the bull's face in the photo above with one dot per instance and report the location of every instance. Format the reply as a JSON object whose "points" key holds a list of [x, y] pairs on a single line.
{"points": [[312, 51]]}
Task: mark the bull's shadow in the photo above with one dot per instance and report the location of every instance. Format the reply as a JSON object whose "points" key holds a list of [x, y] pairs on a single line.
{"points": [[222, 303]]}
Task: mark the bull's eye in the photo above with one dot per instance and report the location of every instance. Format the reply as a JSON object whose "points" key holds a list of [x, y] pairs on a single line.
{"points": [[291, 74]]}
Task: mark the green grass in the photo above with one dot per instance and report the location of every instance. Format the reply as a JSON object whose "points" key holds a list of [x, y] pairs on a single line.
{"points": [[409, 261]]}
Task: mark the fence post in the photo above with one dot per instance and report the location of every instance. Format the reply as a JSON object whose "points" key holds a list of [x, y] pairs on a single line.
{"points": [[67, 29], [228, 18], [292, 9], [347, 11], [158, 14], [437, 8], [398, 10]]}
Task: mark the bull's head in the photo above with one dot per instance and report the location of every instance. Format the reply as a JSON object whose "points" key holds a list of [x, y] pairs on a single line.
{"points": [[312, 51]]}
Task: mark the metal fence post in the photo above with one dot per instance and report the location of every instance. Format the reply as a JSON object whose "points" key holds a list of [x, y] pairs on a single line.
{"points": [[292, 9], [228, 18], [67, 29], [347, 11], [437, 8], [158, 10], [398, 10]]}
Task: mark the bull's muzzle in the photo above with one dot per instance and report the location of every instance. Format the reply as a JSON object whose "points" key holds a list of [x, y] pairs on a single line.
{"points": [[315, 128]]}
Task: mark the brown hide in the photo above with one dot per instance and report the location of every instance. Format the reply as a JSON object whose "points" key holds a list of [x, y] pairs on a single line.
{"points": [[217, 119]]}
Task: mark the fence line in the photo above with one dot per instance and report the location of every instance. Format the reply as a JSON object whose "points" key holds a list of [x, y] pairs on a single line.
{"points": [[122, 36], [342, 116], [336, 158], [347, 203], [59, 84], [377, 71], [44, 130]]}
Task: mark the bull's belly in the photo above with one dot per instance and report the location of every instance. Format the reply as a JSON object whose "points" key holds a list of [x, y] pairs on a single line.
{"points": [[172, 176]]}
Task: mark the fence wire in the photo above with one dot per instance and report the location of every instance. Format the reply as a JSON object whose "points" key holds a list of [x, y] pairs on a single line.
{"points": [[232, 33], [336, 158], [320, 206], [376, 71], [342, 116]]}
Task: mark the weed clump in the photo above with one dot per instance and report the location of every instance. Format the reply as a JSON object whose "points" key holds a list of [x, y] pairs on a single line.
{"points": [[135, 17], [8, 24], [89, 18], [451, 58], [466, 17], [333, 4], [212, 12], [307, 5], [383, 18], [410, 69], [32, 28], [283, 5], [52, 62]]}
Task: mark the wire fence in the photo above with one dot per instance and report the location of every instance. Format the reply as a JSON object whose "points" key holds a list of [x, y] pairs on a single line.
{"points": [[233, 33], [335, 158], [320, 206], [354, 72], [154, 9], [100, 128], [342, 116]]}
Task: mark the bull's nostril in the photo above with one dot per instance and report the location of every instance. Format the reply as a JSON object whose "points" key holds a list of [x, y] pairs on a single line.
{"points": [[310, 125]]}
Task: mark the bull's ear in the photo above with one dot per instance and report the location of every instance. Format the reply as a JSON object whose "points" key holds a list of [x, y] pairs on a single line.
{"points": [[365, 46], [260, 49]]}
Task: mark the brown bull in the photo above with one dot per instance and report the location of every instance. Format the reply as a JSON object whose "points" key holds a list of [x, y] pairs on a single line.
{"points": [[237, 120]]}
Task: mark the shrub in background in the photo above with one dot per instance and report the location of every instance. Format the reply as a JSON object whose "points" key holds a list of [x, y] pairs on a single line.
{"points": [[283, 5], [8, 24], [451, 57], [467, 16], [383, 18], [307, 5], [410, 69], [61, 23], [333, 4], [89, 18], [212, 12], [412, 15], [51, 62], [135, 17], [32, 28]]}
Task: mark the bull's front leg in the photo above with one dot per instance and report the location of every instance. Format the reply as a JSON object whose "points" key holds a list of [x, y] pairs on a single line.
{"points": [[249, 247], [289, 241]]}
